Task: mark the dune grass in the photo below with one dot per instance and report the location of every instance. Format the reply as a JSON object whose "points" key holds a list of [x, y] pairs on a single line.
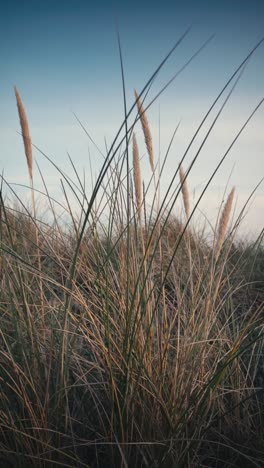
{"points": [[127, 339]]}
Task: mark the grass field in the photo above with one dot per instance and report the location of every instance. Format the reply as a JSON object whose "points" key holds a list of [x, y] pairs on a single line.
{"points": [[128, 338]]}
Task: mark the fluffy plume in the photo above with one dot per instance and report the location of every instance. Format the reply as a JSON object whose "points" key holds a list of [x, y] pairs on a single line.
{"points": [[137, 176], [25, 133], [146, 130], [185, 192], [223, 223]]}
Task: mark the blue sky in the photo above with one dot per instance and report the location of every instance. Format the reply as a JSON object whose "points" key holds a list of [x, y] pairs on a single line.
{"points": [[63, 57]]}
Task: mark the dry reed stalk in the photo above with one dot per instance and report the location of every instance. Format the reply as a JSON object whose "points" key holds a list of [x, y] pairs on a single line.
{"points": [[137, 177], [25, 133], [185, 191], [146, 130], [28, 152], [223, 223]]}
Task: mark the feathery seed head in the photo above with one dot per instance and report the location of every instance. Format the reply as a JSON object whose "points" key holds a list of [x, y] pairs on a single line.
{"points": [[146, 130], [223, 223], [137, 176], [25, 133], [185, 191]]}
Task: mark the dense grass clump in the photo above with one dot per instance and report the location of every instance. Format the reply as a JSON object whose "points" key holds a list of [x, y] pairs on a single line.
{"points": [[127, 337]]}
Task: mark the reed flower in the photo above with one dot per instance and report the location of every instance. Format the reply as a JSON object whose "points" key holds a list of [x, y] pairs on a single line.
{"points": [[137, 177], [25, 133], [146, 130], [223, 223], [185, 191]]}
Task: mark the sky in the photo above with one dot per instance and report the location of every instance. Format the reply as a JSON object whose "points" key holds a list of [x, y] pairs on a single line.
{"points": [[63, 57]]}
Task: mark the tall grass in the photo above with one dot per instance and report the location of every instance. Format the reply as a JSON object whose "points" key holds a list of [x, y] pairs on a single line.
{"points": [[127, 339]]}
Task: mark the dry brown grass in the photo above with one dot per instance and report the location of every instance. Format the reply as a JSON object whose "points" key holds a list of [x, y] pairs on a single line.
{"points": [[120, 343]]}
